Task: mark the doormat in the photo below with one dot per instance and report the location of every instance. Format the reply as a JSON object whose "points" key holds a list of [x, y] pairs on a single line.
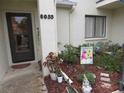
{"points": [[20, 66]]}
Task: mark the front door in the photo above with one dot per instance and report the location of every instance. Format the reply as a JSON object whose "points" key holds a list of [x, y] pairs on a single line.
{"points": [[20, 36]]}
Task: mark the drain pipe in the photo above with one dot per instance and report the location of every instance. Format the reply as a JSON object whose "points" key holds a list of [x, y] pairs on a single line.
{"points": [[122, 81], [70, 12], [69, 27]]}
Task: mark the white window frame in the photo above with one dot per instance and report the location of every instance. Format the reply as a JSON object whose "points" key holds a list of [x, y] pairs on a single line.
{"points": [[104, 28]]}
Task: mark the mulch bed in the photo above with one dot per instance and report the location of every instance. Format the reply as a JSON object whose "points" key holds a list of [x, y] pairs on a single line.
{"points": [[73, 70]]}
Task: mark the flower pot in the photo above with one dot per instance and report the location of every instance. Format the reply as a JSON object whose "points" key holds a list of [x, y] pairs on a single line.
{"points": [[60, 79], [53, 76]]}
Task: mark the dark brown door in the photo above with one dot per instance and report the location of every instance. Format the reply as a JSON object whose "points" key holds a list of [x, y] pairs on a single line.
{"points": [[20, 36]]}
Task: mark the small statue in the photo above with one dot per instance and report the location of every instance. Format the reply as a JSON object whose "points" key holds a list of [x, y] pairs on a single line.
{"points": [[86, 87]]}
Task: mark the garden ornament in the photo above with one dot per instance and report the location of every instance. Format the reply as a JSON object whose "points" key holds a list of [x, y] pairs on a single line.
{"points": [[86, 87]]}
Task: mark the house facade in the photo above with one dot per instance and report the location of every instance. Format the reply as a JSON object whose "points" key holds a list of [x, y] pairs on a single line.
{"points": [[30, 29]]}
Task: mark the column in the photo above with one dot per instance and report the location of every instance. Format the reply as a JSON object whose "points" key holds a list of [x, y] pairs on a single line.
{"points": [[48, 30]]}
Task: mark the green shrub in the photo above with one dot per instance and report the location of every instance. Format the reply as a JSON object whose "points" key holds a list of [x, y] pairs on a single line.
{"points": [[70, 54], [114, 48], [109, 62], [89, 76], [109, 56], [106, 55], [102, 46], [80, 77]]}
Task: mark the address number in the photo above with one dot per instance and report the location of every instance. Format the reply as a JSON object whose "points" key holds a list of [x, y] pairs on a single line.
{"points": [[45, 16]]}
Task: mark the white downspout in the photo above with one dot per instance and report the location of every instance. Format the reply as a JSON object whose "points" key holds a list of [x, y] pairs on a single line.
{"points": [[70, 12]]}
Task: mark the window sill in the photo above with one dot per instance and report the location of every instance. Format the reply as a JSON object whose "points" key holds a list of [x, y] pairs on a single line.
{"points": [[93, 39]]}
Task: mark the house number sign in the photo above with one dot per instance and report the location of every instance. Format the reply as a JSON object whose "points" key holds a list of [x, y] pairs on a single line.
{"points": [[46, 16]]}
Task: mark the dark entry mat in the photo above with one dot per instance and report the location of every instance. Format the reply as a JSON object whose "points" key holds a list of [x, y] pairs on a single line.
{"points": [[21, 66]]}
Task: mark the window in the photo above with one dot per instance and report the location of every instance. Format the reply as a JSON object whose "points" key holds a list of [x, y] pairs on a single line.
{"points": [[95, 26]]}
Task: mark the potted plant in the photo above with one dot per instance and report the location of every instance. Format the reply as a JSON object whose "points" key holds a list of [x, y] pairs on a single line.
{"points": [[52, 61], [90, 76], [59, 75], [86, 87]]}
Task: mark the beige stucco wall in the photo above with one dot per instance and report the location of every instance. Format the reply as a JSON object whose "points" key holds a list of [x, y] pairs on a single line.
{"points": [[3, 53], [77, 21], [117, 33]]}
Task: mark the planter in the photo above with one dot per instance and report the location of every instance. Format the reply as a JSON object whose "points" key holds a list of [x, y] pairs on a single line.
{"points": [[53, 76], [60, 79]]}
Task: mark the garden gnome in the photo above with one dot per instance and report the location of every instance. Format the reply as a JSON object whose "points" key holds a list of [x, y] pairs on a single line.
{"points": [[86, 87]]}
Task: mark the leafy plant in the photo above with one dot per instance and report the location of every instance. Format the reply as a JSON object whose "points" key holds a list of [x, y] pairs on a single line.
{"points": [[108, 56], [58, 72], [109, 62], [102, 46], [52, 62], [70, 54], [114, 48], [80, 77], [89, 76]]}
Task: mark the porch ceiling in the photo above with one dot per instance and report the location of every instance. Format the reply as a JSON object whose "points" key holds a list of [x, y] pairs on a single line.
{"points": [[111, 5]]}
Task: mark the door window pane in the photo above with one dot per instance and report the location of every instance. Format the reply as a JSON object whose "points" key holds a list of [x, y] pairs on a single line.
{"points": [[20, 33]]}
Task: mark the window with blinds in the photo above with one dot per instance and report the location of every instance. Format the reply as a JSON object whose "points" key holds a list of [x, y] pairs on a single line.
{"points": [[95, 26]]}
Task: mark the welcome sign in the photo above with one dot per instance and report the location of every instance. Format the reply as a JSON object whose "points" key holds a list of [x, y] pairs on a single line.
{"points": [[86, 55]]}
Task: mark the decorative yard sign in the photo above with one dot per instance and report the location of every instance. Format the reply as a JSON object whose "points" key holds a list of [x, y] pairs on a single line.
{"points": [[86, 55]]}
